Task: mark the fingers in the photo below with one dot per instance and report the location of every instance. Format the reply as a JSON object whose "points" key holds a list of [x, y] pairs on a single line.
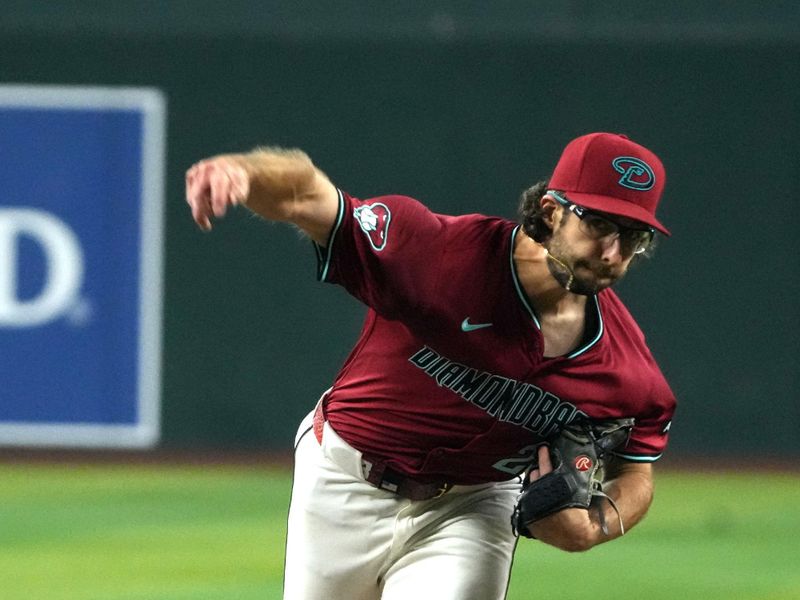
{"points": [[212, 186], [220, 185], [544, 466], [198, 197]]}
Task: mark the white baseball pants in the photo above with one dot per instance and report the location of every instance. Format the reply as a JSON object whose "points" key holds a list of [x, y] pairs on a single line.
{"points": [[348, 540]]}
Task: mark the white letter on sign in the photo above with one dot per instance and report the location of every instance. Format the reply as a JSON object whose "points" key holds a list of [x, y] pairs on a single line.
{"points": [[64, 267]]}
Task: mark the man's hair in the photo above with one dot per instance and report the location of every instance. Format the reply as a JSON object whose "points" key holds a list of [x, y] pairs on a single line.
{"points": [[530, 215], [530, 212]]}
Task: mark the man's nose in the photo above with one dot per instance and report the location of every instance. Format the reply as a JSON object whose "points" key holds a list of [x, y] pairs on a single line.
{"points": [[612, 250]]}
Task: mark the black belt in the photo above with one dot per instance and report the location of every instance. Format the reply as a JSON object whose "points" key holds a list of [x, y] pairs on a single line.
{"points": [[382, 476]]}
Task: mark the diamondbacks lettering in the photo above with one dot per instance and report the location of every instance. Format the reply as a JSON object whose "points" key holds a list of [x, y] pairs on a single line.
{"points": [[505, 399]]}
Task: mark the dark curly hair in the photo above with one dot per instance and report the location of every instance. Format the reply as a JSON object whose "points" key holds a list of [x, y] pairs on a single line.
{"points": [[530, 214]]}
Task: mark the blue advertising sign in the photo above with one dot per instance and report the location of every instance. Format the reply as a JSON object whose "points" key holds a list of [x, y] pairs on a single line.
{"points": [[81, 245]]}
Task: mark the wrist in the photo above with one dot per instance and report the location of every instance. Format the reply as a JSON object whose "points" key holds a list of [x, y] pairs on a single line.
{"points": [[606, 521], [278, 178]]}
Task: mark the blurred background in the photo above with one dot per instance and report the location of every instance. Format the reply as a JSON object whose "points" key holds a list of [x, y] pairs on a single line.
{"points": [[167, 341], [463, 105]]}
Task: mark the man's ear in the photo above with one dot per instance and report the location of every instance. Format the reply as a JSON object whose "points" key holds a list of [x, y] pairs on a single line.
{"points": [[550, 208]]}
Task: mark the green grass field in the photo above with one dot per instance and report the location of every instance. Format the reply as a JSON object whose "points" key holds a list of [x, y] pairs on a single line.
{"points": [[143, 532]]}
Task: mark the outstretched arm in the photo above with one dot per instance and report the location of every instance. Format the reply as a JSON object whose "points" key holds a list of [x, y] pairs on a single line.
{"points": [[275, 183], [629, 484]]}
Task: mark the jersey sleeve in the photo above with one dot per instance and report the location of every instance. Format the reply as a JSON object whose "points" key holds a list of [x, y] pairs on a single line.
{"points": [[641, 390], [650, 433], [385, 251]]}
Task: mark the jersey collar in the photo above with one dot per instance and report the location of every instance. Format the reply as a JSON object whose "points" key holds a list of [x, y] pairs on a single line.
{"points": [[526, 303]]}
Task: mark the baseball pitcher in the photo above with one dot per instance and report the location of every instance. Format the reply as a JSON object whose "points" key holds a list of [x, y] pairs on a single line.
{"points": [[499, 387]]}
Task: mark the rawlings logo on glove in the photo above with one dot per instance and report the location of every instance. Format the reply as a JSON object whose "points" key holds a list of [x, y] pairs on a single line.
{"points": [[578, 455]]}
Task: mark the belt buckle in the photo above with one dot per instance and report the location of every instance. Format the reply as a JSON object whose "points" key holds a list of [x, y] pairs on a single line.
{"points": [[443, 489]]}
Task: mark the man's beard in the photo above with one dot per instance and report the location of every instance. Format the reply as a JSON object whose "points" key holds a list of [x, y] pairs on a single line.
{"points": [[578, 276]]}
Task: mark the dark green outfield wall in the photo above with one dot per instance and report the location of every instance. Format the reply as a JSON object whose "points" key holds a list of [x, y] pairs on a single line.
{"points": [[462, 110]]}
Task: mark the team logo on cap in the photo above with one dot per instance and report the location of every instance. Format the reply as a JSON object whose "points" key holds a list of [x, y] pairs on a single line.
{"points": [[636, 174], [374, 221]]}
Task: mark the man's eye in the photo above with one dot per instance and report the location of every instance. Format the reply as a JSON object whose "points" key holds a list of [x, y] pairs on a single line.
{"points": [[600, 226]]}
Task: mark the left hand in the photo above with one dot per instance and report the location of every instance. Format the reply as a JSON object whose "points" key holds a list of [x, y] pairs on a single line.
{"points": [[570, 529]]}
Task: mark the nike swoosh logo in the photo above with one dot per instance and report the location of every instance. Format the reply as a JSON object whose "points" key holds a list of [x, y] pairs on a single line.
{"points": [[467, 326]]}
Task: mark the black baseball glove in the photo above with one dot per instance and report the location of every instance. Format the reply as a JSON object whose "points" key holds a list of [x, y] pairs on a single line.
{"points": [[578, 454]]}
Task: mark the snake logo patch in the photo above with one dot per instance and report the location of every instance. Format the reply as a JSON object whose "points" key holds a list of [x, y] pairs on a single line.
{"points": [[374, 221], [583, 462], [636, 174]]}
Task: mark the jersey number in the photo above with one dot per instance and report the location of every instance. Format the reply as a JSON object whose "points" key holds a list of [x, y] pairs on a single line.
{"points": [[517, 464]]}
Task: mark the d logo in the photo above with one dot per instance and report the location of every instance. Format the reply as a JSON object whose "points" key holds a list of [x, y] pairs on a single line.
{"points": [[636, 174], [64, 261]]}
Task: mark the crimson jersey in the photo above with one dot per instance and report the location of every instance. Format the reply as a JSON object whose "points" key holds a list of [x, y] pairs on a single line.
{"points": [[448, 381]]}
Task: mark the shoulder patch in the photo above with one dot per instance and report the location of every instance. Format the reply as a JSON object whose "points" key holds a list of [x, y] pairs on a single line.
{"points": [[374, 221]]}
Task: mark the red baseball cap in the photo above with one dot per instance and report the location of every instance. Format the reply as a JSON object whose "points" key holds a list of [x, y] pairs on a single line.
{"points": [[610, 173]]}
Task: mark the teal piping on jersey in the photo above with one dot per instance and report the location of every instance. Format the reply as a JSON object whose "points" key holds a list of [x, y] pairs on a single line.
{"points": [[638, 457], [524, 298], [522, 295], [600, 329], [324, 256]]}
